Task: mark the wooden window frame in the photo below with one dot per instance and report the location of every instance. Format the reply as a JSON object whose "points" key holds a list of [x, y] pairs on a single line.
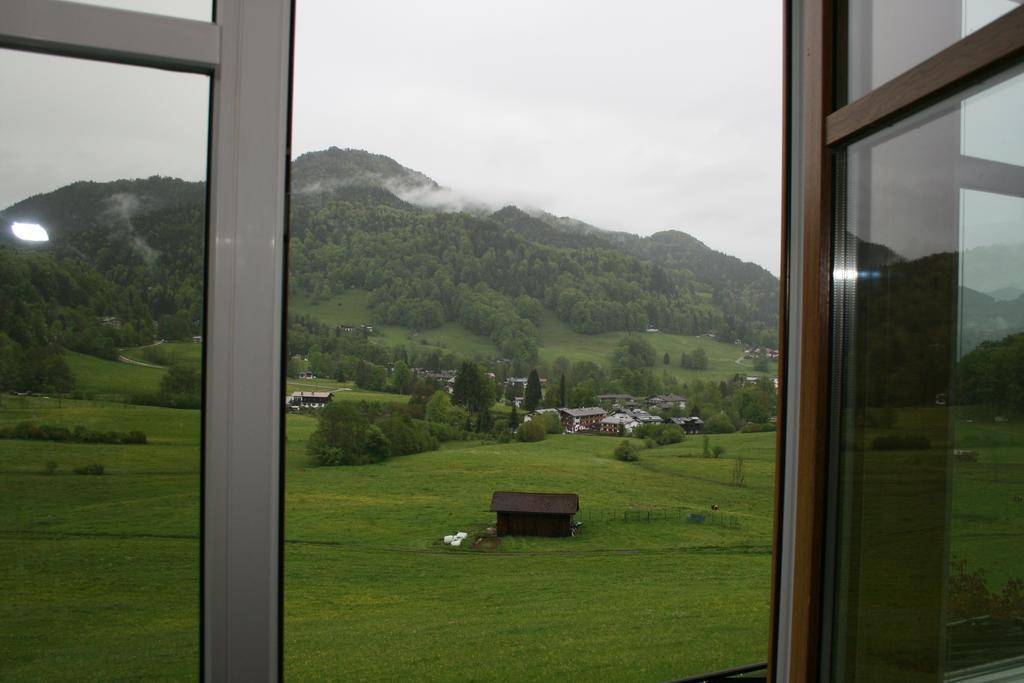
{"points": [[814, 130]]}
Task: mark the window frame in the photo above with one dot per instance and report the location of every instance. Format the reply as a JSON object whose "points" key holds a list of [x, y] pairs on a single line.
{"points": [[815, 131], [240, 556]]}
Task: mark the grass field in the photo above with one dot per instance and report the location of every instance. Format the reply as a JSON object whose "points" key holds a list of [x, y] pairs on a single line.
{"points": [[556, 339], [167, 353], [96, 570], [108, 379]]}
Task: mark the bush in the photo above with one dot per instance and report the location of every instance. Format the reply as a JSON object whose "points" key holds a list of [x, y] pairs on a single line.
{"points": [[406, 435], [897, 442], [531, 431], [650, 443], [94, 469], [51, 467], [738, 476], [662, 434], [718, 451], [627, 452], [552, 423], [719, 424], [34, 432]]}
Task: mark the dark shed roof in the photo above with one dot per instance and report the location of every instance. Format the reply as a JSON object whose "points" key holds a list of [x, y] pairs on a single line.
{"points": [[543, 503]]}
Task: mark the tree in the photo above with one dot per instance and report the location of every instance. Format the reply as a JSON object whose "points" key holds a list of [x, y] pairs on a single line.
{"points": [[401, 377], [180, 386], [633, 353], [530, 432], [532, 396], [561, 391], [720, 424], [341, 437], [472, 388], [665, 359], [513, 419]]}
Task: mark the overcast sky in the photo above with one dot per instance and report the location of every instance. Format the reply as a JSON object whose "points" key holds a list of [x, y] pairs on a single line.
{"points": [[639, 116]]}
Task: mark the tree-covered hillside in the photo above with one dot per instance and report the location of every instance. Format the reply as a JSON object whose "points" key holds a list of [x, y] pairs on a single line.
{"points": [[125, 265]]}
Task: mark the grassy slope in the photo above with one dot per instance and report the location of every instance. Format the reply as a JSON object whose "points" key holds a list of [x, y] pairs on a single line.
{"points": [[374, 591], [176, 352], [369, 588], [557, 339], [97, 570], [99, 378]]}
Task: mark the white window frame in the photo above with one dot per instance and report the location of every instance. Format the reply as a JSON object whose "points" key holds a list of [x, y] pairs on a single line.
{"points": [[246, 51]]}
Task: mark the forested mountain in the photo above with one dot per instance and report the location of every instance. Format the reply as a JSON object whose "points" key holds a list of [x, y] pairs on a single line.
{"points": [[493, 272], [125, 264]]}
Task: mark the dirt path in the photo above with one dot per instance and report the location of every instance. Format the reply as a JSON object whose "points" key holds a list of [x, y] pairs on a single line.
{"points": [[132, 361]]}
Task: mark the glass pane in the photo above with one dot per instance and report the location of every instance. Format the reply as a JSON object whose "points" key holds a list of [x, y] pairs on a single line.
{"points": [[200, 10], [929, 443], [102, 173], [534, 281], [888, 37]]}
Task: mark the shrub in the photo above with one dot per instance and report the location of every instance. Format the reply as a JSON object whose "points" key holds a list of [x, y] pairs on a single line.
{"points": [[898, 442], [94, 469], [51, 467], [662, 434], [738, 476], [719, 424], [406, 436], [531, 431], [718, 451], [552, 423], [34, 432], [627, 452], [650, 443]]}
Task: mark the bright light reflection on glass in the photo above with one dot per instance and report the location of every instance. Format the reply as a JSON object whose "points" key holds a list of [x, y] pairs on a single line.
{"points": [[844, 274], [30, 232]]}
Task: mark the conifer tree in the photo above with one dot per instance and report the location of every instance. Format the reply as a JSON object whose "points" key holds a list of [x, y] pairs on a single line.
{"points": [[532, 396]]}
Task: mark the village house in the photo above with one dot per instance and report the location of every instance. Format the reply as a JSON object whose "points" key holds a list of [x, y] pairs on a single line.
{"points": [[643, 417], [617, 400], [666, 401], [309, 399], [618, 423], [534, 514], [307, 375], [540, 411], [690, 425], [578, 419]]}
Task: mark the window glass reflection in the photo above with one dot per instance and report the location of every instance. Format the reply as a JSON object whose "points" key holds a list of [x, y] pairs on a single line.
{"points": [[200, 10], [101, 323], [886, 38], [929, 443]]}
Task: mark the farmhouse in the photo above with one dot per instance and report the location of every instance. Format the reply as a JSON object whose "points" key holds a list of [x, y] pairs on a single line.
{"points": [[643, 417], [534, 514], [309, 399], [577, 419], [666, 401], [621, 400], [536, 413], [620, 422], [690, 425]]}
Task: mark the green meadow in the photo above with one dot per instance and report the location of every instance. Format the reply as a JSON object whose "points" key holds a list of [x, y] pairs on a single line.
{"points": [[100, 573], [166, 353], [556, 339]]}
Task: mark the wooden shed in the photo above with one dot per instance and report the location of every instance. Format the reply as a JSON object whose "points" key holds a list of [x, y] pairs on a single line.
{"points": [[534, 514]]}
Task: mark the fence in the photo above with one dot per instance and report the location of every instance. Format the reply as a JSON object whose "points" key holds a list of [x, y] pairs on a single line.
{"points": [[657, 514]]}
